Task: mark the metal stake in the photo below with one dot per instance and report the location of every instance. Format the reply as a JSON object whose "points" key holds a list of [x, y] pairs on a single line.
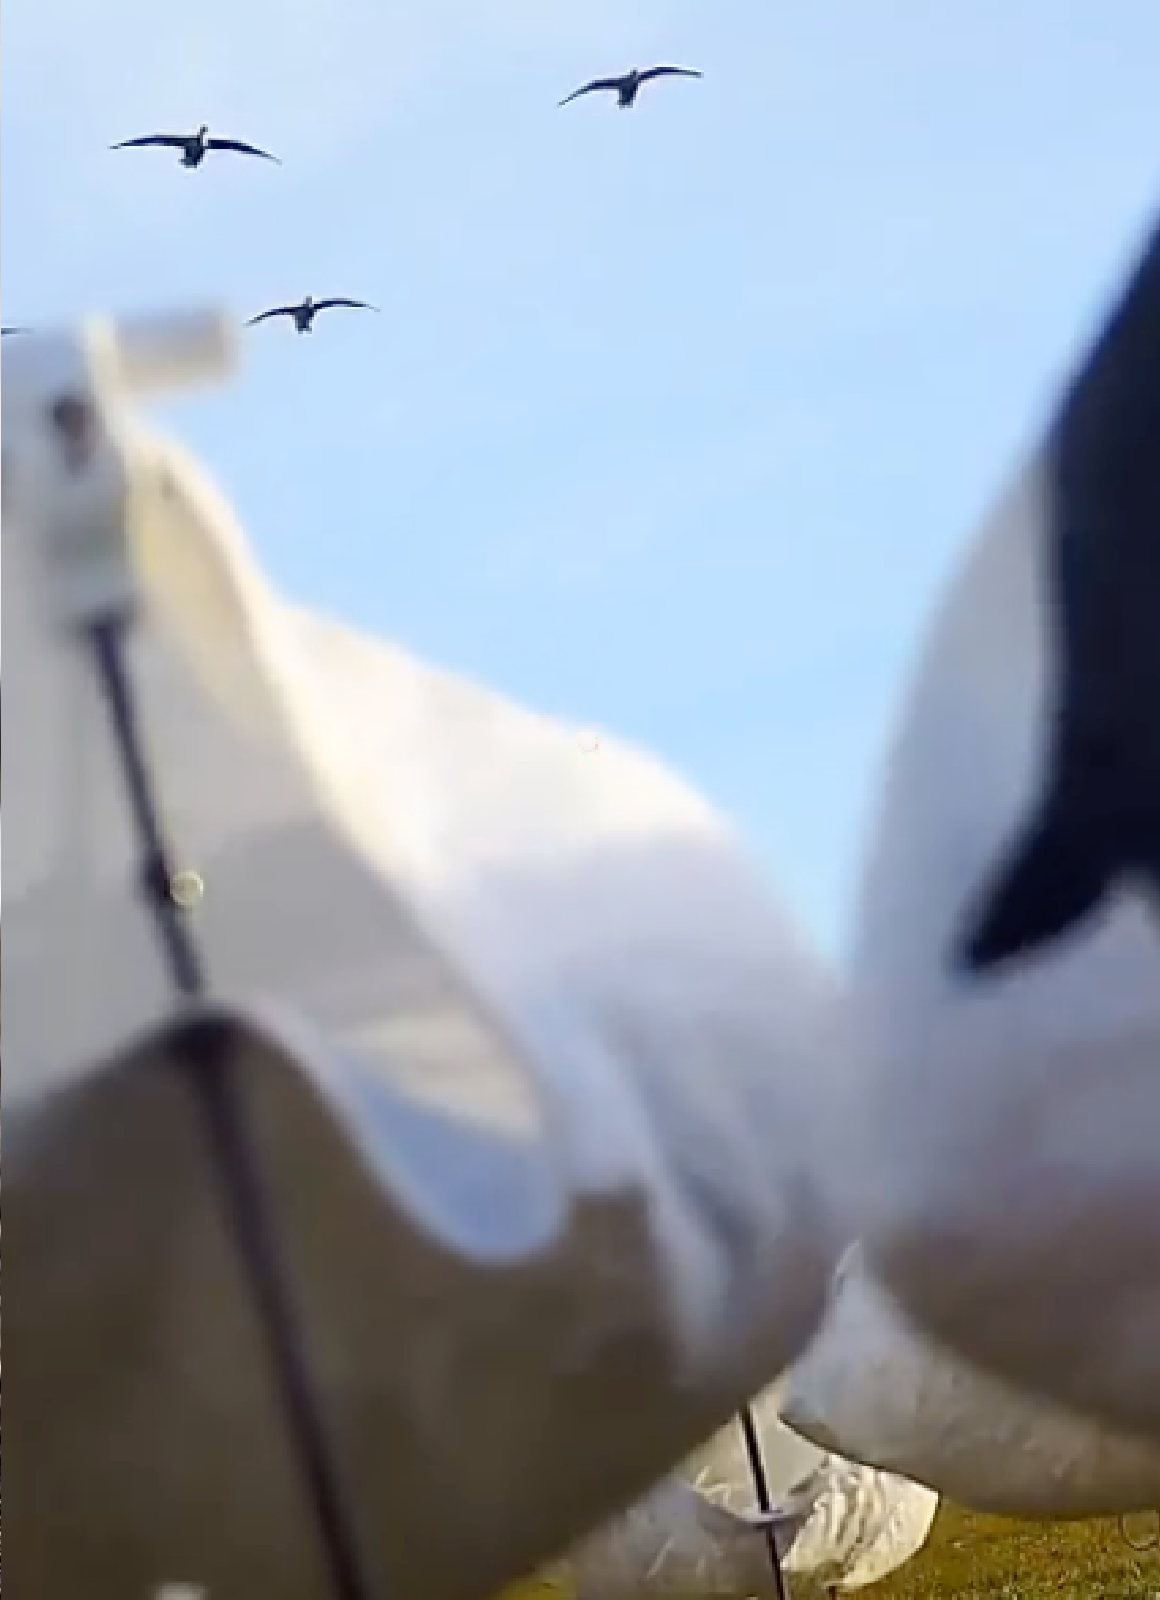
{"points": [[207, 1070], [756, 1457]]}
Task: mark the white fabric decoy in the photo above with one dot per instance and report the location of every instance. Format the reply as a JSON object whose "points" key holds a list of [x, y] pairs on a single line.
{"points": [[1006, 973], [888, 1413], [838, 1522], [529, 1055], [873, 1387]]}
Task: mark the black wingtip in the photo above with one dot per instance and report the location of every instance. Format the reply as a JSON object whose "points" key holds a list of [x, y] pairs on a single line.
{"points": [[1055, 880]]}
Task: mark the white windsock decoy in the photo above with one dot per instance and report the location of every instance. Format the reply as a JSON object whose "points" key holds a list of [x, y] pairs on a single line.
{"points": [[836, 1522], [871, 1386], [1007, 953], [523, 1053]]}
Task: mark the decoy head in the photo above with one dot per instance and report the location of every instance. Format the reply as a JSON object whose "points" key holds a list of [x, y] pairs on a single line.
{"points": [[203, 131], [1025, 790]]}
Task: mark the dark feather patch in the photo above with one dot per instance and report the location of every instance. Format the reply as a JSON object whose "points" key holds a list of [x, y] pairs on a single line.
{"points": [[1097, 819]]}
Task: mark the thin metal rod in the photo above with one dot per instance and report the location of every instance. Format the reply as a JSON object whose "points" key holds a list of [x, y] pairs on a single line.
{"points": [[232, 1148], [756, 1457]]}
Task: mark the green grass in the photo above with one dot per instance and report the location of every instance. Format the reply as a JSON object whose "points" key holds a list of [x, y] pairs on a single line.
{"points": [[971, 1557]]}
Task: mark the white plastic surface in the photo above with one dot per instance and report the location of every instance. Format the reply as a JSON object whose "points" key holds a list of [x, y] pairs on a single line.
{"points": [[873, 1387], [539, 1101], [870, 1387], [67, 473], [1013, 1190], [134, 358], [162, 355], [699, 1532]]}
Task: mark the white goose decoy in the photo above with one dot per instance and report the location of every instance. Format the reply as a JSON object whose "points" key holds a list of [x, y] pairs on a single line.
{"points": [[836, 1521], [528, 1056], [871, 1386], [888, 1414], [1007, 953]]}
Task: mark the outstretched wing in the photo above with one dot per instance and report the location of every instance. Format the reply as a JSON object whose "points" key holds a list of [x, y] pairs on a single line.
{"points": [[338, 300], [592, 88], [242, 148], [7, 331], [670, 72], [274, 311], [172, 141]]}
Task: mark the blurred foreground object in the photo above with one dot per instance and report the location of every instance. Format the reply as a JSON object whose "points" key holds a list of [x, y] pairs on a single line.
{"points": [[872, 1387], [835, 1521], [1006, 975], [857, 1437], [506, 1044]]}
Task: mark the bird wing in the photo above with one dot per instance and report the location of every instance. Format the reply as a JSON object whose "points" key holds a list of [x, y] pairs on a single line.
{"points": [[242, 148], [7, 331], [670, 72], [173, 141], [591, 88], [274, 311], [338, 300]]}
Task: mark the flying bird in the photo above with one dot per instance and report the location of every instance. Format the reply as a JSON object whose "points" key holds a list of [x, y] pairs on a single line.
{"points": [[628, 87], [304, 312], [194, 147]]}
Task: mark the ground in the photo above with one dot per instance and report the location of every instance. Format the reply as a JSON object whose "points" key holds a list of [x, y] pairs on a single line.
{"points": [[984, 1558], [972, 1557]]}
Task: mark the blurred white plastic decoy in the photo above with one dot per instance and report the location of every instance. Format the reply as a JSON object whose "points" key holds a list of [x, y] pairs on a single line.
{"points": [[887, 1414], [527, 1056], [1006, 978], [873, 1387], [836, 1521]]}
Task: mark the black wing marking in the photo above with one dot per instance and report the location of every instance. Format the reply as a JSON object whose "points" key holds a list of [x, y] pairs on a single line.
{"points": [[1097, 820], [6, 331], [338, 300], [593, 87], [242, 148], [171, 141], [670, 72], [274, 311], [1056, 877]]}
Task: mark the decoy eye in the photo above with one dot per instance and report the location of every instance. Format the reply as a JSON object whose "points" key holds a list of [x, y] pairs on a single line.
{"points": [[74, 422]]}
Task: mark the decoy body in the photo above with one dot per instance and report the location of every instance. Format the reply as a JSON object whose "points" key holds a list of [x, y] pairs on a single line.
{"points": [[303, 312], [194, 147], [837, 1522], [872, 1387], [397, 856], [859, 1437], [1005, 961], [627, 88], [1095, 823]]}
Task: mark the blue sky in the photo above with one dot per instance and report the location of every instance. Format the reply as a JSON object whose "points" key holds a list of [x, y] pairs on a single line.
{"points": [[674, 420]]}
